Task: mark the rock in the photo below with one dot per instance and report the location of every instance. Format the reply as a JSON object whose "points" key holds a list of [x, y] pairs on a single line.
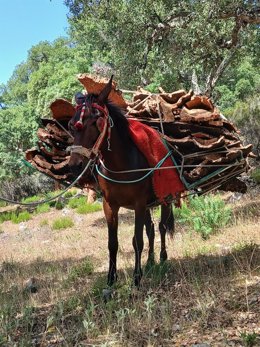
{"points": [[23, 227], [201, 345], [31, 285]]}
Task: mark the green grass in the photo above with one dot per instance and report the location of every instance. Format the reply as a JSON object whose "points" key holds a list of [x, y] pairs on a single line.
{"points": [[14, 217], [85, 268], [43, 208], [62, 223], [2, 203], [88, 208], [21, 217], [256, 175], [77, 202]]}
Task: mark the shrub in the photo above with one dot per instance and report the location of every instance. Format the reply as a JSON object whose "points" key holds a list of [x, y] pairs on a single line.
{"points": [[5, 216], [77, 202], [205, 214], [27, 185], [62, 223], [88, 208]]}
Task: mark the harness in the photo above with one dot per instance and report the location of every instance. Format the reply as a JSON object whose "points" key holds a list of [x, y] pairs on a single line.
{"points": [[105, 127]]}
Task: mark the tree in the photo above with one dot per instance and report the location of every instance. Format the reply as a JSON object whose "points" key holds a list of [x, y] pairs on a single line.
{"points": [[166, 42]]}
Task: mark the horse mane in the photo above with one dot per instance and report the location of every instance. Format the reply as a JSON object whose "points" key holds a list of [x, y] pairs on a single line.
{"points": [[120, 121]]}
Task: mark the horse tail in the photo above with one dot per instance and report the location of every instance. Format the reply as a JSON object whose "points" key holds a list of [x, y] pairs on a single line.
{"points": [[167, 219]]}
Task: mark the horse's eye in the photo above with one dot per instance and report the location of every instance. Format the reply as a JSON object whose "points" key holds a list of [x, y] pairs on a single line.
{"points": [[96, 112]]}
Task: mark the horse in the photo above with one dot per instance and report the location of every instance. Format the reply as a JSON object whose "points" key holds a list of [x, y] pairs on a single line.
{"points": [[101, 137]]}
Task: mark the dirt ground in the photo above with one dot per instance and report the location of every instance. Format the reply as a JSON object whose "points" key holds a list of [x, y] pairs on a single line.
{"points": [[30, 248]]}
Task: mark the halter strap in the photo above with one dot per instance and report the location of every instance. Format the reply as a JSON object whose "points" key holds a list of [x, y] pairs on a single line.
{"points": [[106, 129]]}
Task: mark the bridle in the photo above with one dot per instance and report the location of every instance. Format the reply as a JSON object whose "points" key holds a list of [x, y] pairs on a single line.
{"points": [[105, 124]]}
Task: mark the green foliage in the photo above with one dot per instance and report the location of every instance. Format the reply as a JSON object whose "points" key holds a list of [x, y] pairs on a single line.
{"points": [[256, 175], [43, 208], [77, 202], [2, 203], [249, 339], [21, 217], [62, 223], [205, 214], [88, 208], [165, 50], [14, 217]]}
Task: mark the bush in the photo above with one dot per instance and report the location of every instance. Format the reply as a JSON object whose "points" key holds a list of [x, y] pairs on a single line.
{"points": [[205, 214], [88, 208], [77, 202], [62, 223], [25, 186]]}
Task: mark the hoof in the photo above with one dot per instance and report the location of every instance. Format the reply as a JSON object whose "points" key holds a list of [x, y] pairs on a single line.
{"points": [[163, 257], [107, 294]]}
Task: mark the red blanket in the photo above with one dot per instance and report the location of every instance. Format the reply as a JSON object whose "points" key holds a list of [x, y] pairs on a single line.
{"points": [[165, 182]]}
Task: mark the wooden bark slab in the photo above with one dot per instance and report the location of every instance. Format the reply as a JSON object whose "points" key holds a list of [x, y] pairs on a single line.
{"points": [[62, 109], [94, 84]]}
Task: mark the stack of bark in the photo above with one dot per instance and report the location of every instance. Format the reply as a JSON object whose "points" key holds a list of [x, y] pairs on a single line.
{"points": [[51, 156], [206, 147]]}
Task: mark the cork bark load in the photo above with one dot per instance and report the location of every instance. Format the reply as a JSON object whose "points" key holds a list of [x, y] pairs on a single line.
{"points": [[206, 147]]}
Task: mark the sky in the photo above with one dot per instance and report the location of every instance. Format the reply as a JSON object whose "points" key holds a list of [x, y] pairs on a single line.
{"points": [[23, 24]]}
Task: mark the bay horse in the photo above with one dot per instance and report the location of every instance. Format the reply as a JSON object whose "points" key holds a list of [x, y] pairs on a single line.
{"points": [[101, 134]]}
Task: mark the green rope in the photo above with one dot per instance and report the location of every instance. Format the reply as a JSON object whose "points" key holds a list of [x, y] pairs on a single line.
{"points": [[159, 164]]}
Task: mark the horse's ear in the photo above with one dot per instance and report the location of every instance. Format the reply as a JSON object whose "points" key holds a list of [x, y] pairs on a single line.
{"points": [[102, 98]]}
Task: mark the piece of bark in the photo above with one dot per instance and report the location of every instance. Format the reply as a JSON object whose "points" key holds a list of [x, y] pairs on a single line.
{"points": [[62, 109], [202, 102], [94, 85]]}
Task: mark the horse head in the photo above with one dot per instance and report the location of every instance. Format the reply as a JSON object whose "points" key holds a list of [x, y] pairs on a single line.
{"points": [[89, 126]]}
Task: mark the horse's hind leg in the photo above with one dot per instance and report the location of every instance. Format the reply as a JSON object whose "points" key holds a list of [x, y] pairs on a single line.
{"points": [[149, 226], [166, 225], [138, 243], [111, 215]]}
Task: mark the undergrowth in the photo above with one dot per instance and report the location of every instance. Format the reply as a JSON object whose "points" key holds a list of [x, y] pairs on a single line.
{"points": [[62, 223], [204, 214], [256, 175]]}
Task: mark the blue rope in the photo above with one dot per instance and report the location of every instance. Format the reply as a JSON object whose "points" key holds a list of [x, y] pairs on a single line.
{"points": [[159, 164]]}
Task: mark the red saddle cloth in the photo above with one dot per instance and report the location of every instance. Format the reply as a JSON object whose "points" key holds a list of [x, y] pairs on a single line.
{"points": [[165, 182]]}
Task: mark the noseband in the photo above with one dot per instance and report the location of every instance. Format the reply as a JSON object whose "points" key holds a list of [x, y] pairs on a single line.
{"points": [[93, 153]]}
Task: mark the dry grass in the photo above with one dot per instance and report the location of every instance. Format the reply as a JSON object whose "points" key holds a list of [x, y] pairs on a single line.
{"points": [[208, 292]]}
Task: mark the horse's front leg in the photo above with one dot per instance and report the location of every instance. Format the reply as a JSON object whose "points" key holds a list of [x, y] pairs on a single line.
{"points": [[111, 214], [138, 243]]}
